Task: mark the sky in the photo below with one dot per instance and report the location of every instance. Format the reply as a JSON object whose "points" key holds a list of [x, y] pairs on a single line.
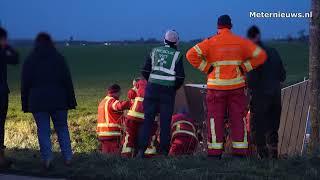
{"points": [[102, 20]]}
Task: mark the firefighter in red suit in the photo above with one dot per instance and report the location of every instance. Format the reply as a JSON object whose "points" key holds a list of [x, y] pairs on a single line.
{"points": [[183, 135], [110, 118], [134, 121]]}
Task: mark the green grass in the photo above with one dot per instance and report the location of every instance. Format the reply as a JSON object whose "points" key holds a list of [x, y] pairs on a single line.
{"points": [[95, 67]]}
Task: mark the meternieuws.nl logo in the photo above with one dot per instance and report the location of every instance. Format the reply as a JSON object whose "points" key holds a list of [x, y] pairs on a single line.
{"points": [[255, 14]]}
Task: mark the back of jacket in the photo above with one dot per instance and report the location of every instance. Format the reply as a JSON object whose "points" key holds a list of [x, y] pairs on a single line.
{"points": [[7, 56], [46, 83], [268, 77]]}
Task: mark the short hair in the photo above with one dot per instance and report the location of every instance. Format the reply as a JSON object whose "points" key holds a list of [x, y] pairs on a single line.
{"points": [[43, 39], [114, 88], [3, 33], [252, 32]]}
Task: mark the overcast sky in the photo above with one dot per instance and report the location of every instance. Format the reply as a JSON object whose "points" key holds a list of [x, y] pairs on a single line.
{"points": [[132, 19]]}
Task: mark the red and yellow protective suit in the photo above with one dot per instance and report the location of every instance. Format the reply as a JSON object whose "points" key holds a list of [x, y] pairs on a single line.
{"points": [[109, 127], [183, 136], [226, 58], [134, 121]]}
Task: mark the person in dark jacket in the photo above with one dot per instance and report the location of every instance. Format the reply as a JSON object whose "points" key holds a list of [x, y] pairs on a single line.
{"points": [[7, 56], [264, 85], [165, 74], [47, 92]]}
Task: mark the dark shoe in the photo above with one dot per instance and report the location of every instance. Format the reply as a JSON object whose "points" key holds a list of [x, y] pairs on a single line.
{"points": [[262, 152], [47, 164], [4, 163], [140, 154], [215, 157], [68, 163]]}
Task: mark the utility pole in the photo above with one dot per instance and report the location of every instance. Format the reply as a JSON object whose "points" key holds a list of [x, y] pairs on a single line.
{"points": [[314, 75]]}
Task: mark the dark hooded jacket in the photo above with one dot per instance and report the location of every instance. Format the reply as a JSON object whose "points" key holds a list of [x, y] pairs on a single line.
{"points": [[46, 83], [7, 56], [267, 78]]}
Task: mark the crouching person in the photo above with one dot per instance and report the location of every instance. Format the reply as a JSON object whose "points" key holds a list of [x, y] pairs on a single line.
{"points": [[110, 117], [183, 135], [134, 121]]}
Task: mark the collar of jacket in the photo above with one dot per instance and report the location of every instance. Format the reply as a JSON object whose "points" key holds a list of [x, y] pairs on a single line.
{"points": [[112, 95], [171, 46], [224, 31]]}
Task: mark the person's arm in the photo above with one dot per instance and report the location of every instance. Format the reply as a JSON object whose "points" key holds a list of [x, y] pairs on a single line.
{"points": [[254, 55], [68, 84], [282, 73], [11, 56], [180, 75], [197, 57], [120, 105], [26, 80], [147, 67]]}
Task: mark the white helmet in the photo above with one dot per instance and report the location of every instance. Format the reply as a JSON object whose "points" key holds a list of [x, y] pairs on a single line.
{"points": [[172, 36]]}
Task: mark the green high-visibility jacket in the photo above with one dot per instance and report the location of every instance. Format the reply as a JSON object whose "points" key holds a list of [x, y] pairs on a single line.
{"points": [[164, 60]]}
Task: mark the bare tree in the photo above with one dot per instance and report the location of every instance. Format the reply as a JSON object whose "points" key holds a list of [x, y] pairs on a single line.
{"points": [[314, 74]]}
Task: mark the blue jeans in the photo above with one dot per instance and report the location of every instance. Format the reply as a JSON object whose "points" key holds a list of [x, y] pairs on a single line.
{"points": [[59, 119]]}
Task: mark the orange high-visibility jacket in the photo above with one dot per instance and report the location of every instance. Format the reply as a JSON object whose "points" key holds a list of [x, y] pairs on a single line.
{"points": [[110, 116], [182, 126], [229, 55], [136, 111]]}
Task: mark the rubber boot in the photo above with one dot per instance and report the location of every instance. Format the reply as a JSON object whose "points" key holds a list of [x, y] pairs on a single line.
{"points": [[4, 163]]}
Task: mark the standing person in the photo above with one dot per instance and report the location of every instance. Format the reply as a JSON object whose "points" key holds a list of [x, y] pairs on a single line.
{"points": [[265, 89], [184, 140], [47, 92], [134, 121], [225, 58], [165, 74], [7, 56], [110, 119]]}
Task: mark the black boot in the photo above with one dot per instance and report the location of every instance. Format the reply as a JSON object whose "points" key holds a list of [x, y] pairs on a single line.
{"points": [[262, 152], [4, 163]]}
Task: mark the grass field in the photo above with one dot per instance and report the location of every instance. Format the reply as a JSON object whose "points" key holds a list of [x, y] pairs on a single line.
{"points": [[95, 67]]}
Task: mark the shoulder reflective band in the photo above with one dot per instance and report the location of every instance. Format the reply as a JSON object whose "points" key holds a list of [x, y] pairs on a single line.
{"points": [[185, 122], [139, 99], [204, 62], [184, 132], [109, 125], [244, 144], [125, 148], [256, 52], [111, 133], [160, 77], [114, 105], [248, 65], [106, 111], [214, 144], [226, 82], [227, 63]]}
